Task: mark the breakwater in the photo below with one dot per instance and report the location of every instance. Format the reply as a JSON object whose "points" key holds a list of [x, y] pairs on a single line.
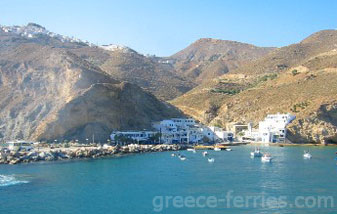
{"points": [[55, 152]]}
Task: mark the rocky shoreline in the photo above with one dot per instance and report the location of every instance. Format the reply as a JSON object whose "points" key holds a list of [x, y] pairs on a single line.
{"points": [[56, 152]]}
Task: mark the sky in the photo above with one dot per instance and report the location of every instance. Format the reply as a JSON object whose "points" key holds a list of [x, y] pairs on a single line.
{"points": [[163, 28]]}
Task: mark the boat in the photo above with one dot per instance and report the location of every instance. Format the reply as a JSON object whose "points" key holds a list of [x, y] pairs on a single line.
{"points": [[182, 157], [211, 160], [217, 149], [191, 150], [307, 155], [266, 158], [228, 149], [256, 153], [204, 153], [173, 155]]}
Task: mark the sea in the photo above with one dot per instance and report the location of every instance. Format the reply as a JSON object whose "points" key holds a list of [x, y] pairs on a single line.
{"points": [[161, 183]]}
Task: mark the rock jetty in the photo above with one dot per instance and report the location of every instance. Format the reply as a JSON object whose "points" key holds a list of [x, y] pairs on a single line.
{"points": [[53, 152]]}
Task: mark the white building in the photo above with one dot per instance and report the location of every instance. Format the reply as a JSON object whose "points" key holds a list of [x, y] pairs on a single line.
{"points": [[19, 145], [139, 136], [273, 128], [220, 134], [182, 130]]}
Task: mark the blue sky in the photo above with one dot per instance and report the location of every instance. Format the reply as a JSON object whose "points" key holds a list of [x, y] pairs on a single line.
{"points": [[165, 27]]}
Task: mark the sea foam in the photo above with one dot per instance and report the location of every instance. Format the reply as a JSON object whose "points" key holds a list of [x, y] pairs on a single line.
{"points": [[8, 180]]}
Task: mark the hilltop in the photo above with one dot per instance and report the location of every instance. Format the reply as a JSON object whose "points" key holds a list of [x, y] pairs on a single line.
{"points": [[209, 58], [300, 79]]}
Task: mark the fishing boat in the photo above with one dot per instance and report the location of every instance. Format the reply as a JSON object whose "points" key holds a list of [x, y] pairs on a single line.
{"points": [[256, 153], [204, 153], [266, 158], [190, 150], [182, 157], [307, 155], [211, 160]]}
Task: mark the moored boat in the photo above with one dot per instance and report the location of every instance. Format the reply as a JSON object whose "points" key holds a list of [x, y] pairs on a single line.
{"points": [[256, 153], [182, 157], [307, 155], [217, 149], [211, 160], [266, 158], [204, 153]]}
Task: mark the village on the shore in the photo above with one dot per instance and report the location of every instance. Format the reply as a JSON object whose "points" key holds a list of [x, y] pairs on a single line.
{"points": [[167, 135], [187, 131]]}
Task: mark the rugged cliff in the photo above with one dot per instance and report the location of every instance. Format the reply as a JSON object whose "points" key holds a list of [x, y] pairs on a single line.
{"points": [[48, 93]]}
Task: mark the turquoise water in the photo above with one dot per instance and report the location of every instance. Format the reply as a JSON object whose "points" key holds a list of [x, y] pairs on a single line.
{"points": [[129, 184]]}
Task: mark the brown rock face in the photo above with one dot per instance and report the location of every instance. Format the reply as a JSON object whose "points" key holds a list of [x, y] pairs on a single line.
{"points": [[104, 107], [47, 93], [147, 72]]}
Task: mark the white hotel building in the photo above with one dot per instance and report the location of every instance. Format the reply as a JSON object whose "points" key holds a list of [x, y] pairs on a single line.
{"points": [[273, 128], [180, 130], [186, 130]]}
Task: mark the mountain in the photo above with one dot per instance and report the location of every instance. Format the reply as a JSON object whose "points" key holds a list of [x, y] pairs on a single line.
{"points": [[208, 58], [150, 73], [48, 92], [299, 78]]}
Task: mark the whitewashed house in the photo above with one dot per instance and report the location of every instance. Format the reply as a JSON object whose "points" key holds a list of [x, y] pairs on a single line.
{"points": [[220, 134], [273, 128], [182, 130]]}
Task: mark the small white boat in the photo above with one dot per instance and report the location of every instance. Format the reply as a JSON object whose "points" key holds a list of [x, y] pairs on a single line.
{"points": [[211, 160], [204, 153], [191, 150], [307, 155], [266, 158], [256, 153], [228, 149], [182, 157], [173, 155], [217, 149]]}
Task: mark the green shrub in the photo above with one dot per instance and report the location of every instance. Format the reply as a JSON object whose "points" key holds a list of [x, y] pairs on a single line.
{"points": [[294, 72], [299, 106], [225, 91]]}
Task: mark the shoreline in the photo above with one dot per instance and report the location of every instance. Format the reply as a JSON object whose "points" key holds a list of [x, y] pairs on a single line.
{"points": [[79, 152], [291, 144], [59, 152]]}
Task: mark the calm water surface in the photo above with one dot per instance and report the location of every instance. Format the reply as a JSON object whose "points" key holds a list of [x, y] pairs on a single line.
{"points": [[129, 184]]}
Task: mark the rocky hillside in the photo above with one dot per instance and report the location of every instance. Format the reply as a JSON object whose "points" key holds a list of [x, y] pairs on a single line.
{"points": [[206, 59], [300, 79], [122, 63], [47, 92], [150, 73]]}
